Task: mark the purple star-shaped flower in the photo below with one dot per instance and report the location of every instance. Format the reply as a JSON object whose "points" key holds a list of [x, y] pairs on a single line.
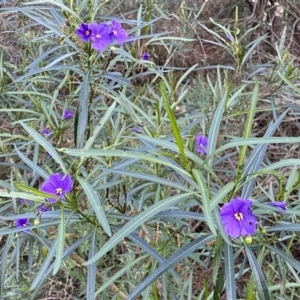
{"points": [[145, 56], [67, 114], [46, 131], [101, 36], [85, 32], [118, 33], [59, 185], [201, 144], [281, 205], [25, 202], [237, 218], [22, 223]]}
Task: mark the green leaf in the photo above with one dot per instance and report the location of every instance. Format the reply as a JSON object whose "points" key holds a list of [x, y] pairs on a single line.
{"points": [[173, 123], [60, 242], [30, 191], [260, 282], [151, 251], [42, 269], [102, 123], [204, 200], [170, 262], [125, 269], [46, 145], [229, 272], [92, 268], [83, 111], [95, 202], [32, 165], [218, 247], [136, 222], [215, 128], [287, 258]]}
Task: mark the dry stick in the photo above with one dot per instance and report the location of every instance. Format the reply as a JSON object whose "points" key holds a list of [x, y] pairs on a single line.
{"points": [[112, 286]]}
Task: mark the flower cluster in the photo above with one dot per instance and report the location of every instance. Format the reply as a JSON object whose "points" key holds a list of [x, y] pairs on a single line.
{"points": [[101, 34], [57, 185]]}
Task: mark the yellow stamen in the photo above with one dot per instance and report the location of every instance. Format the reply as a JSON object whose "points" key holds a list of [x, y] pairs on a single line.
{"points": [[59, 191], [239, 216]]}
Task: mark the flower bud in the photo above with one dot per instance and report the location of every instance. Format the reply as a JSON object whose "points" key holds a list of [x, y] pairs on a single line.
{"points": [[248, 240]]}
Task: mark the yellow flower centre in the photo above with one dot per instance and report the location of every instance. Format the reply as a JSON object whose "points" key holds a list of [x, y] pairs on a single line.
{"points": [[239, 216], [98, 36], [59, 191]]}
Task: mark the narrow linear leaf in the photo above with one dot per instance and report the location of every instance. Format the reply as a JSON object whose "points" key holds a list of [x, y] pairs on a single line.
{"points": [[119, 274], [30, 192], [150, 250], [170, 262], [205, 200], [96, 204], [287, 258], [60, 242], [215, 128], [46, 145], [173, 123], [136, 222], [92, 269], [32, 165], [97, 129], [229, 272], [221, 194], [83, 111], [284, 227], [66, 253], [41, 273], [260, 282]]}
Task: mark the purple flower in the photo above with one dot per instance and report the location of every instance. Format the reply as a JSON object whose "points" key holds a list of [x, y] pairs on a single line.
{"points": [[48, 155], [237, 217], [201, 144], [85, 32], [25, 202], [59, 185], [101, 36], [118, 33], [22, 223], [67, 114], [281, 205], [145, 56], [46, 131]]}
